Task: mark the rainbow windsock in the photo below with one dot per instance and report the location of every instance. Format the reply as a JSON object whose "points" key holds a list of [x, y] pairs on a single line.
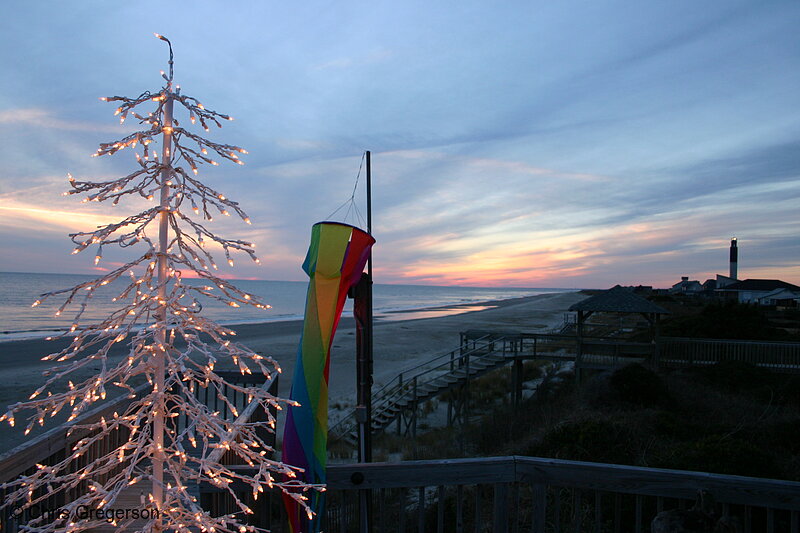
{"points": [[336, 257]]}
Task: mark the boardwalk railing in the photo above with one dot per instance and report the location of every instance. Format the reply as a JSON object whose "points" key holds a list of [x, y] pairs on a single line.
{"points": [[777, 356], [596, 352], [535, 495], [600, 352], [424, 381], [478, 353]]}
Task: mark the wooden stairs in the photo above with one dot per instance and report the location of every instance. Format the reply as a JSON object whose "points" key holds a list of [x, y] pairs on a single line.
{"points": [[425, 382]]}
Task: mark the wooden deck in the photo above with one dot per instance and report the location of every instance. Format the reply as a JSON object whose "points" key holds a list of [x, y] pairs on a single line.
{"points": [[506, 494], [536, 495]]}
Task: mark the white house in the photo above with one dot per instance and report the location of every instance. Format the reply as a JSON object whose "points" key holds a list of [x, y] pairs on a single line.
{"points": [[751, 290], [686, 286], [782, 297]]}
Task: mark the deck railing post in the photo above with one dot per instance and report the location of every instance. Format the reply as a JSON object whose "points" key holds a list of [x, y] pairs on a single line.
{"points": [[421, 511], [402, 518], [538, 508], [400, 414], [414, 412], [500, 508], [459, 509], [440, 510], [517, 372]]}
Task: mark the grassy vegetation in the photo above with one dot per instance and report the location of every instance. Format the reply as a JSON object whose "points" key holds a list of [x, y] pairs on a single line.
{"points": [[732, 418], [698, 318]]}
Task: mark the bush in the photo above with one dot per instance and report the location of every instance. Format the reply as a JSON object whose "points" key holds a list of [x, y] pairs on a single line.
{"points": [[680, 427], [735, 376], [603, 441], [727, 320], [739, 377], [785, 435], [637, 385], [723, 454]]}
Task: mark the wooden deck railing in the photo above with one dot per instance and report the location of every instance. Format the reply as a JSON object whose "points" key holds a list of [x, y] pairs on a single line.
{"points": [[776, 356], [599, 352], [529, 494], [56, 444]]}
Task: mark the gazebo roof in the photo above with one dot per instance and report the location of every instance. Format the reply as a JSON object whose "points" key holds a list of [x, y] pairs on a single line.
{"points": [[618, 300]]}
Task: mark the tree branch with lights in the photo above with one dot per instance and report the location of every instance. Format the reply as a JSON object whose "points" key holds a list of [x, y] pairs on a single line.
{"points": [[156, 309]]}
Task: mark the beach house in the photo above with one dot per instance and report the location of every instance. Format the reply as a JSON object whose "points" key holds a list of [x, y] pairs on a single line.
{"points": [[759, 291]]}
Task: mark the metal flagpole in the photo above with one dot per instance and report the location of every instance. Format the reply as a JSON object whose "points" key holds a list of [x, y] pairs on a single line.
{"points": [[366, 393], [363, 315]]}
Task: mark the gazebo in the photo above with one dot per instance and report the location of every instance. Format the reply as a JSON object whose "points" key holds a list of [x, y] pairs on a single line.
{"points": [[616, 300]]}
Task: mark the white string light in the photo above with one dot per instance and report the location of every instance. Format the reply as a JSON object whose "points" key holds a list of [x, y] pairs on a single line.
{"points": [[156, 309]]}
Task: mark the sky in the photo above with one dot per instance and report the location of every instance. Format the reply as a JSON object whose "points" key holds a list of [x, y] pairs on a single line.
{"points": [[574, 144]]}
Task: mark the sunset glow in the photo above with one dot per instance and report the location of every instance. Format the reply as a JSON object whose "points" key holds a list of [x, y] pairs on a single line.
{"points": [[614, 145]]}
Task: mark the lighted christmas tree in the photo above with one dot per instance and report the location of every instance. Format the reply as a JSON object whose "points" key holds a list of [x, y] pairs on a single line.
{"points": [[156, 309]]}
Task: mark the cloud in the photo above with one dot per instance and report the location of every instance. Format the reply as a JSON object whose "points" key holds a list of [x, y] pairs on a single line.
{"points": [[341, 63], [302, 144], [27, 216], [45, 119]]}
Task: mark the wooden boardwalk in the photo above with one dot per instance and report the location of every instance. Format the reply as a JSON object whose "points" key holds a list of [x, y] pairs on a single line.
{"points": [[482, 351]]}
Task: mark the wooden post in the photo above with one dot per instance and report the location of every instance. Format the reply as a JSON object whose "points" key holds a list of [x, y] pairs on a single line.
{"points": [[414, 413], [539, 508], [517, 377], [657, 341], [579, 347], [400, 414], [500, 508]]}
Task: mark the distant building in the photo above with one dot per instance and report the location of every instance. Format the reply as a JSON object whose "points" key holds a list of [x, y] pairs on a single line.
{"points": [[733, 269], [734, 259], [710, 286], [781, 298], [686, 286], [724, 281], [639, 289], [752, 290]]}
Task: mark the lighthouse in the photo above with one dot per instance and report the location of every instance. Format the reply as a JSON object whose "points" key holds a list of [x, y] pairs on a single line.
{"points": [[734, 259]]}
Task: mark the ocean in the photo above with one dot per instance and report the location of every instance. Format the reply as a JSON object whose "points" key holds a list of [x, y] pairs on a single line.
{"points": [[287, 298]]}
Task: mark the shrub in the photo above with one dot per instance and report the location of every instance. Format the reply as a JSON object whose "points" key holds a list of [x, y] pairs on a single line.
{"points": [[735, 376], [597, 440], [726, 320], [723, 454], [785, 434], [637, 385], [739, 377], [675, 426]]}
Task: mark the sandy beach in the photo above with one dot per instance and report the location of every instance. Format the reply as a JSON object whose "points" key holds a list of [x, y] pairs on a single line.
{"points": [[401, 342]]}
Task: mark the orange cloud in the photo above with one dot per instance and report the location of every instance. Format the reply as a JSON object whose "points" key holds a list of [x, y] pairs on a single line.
{"points": [[24, 216]]}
